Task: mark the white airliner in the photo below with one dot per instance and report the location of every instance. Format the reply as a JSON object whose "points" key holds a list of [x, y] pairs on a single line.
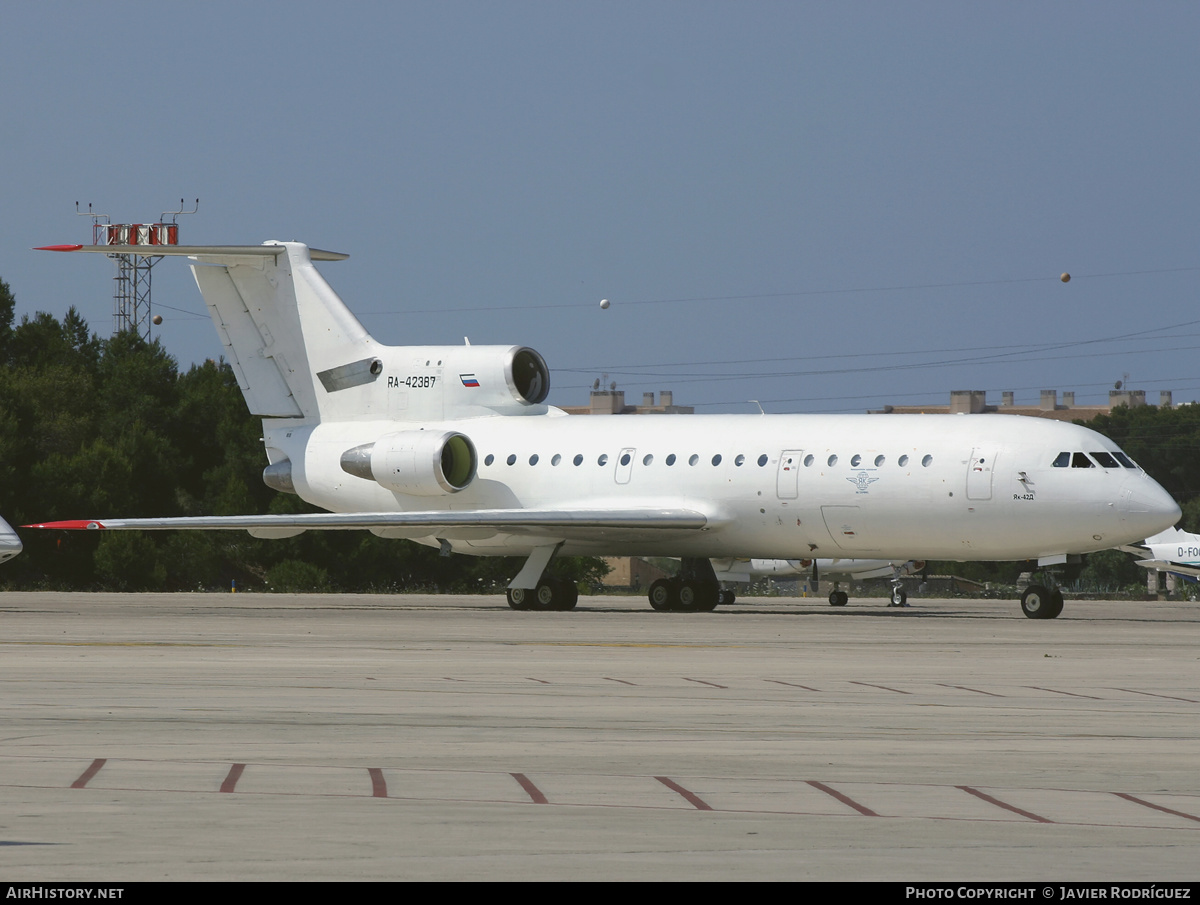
{"points": [[454, 446], [746, 570], [10, 544], [1169, 551]]}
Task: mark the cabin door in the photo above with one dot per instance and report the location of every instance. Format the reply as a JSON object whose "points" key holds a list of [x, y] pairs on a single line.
{"points": [[979, 474], [788, 477], [625, 465]]}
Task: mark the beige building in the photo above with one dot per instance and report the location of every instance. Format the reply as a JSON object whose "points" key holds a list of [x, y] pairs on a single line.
{"points": [[974, 402], [612, 402]]}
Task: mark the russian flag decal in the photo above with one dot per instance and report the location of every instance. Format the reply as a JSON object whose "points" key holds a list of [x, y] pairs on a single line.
{"points": [[468, 380]]}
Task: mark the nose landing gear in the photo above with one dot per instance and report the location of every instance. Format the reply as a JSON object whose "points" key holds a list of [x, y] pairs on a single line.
{"points": [[1039, 602]]}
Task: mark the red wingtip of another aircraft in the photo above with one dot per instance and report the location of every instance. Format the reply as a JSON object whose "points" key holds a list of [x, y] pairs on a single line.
{"points": [[58, 248], [71, 525]]}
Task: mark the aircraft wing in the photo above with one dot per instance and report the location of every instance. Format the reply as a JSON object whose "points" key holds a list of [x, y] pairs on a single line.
{"points": [[541, 522]]}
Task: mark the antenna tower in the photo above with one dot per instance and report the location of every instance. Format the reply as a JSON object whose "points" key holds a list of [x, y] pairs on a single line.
{"points": [[131, 285]]}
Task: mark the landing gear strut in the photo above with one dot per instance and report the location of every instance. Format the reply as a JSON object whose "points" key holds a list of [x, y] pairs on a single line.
{"points": [[695, 590]]}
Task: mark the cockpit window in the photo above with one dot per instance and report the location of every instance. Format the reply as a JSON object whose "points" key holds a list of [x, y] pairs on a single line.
{"points": [[1106, 459], [1125, 460], [1080, 460], [1063, 460]]}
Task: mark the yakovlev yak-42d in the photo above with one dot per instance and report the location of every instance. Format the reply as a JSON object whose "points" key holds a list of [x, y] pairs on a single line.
{"points": [[454, 446]]}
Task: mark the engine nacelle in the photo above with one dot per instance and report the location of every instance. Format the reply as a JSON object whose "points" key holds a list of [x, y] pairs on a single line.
{"points": [[418, 463], [433, 383]]}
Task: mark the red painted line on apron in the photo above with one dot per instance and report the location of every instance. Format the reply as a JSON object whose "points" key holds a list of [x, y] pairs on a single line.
{"points": [[87, 774], [1003, 804], [232, 777], [1071, 693], [844, 799], [530, 789], [702, 682], [791, 684], [884, 687], [622, 681], [1157, 807], [694, 800], [1169, 697], [976, 690], [378, 784]]}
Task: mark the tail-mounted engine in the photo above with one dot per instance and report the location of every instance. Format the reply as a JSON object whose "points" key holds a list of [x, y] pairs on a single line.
{"points": [[432, 383], [419, 463]]}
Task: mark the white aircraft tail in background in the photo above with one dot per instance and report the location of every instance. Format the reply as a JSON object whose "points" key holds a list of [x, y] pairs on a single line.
{"points": [[1172, 551], [455, 447]]}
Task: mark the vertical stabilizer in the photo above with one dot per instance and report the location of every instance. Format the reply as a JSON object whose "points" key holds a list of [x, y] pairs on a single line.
{"points": [[293, 344]]}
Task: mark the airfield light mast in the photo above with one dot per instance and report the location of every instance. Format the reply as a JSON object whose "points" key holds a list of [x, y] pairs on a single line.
{"points": [[131, 285]]}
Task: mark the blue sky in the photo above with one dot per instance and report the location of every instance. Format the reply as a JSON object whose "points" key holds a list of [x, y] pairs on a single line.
{"points": [[823, 206]]}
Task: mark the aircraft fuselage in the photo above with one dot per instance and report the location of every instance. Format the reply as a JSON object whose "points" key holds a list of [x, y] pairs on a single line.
{"points": [[955, 487]]}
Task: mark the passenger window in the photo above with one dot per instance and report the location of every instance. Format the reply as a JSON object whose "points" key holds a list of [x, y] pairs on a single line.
{"points": [[855, 460], [762, 460], [578, 460], [1063, 460], [927, 461], [693, 459], [1080, 460], [902, 461], [739, 461], [716, 460], [511, 460], [647, 460], [489, 459], [533, 460], [603, 460], [671, 459], [832, 461], [557, 458], [1105, 459], [808, 460], [879, 460], [625, 459]]}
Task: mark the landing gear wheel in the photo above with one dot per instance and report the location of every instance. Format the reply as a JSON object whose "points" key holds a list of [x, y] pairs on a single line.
{"points": [[1055, 604], [838, 598], [1041, 603], [725, 598], [899, 597], [518, 598], [566, 594], [544, 596], [698, 596], [663, 595]]}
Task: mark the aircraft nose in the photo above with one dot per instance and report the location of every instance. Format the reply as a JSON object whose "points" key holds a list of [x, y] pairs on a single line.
{"points": [[1146, 508]]}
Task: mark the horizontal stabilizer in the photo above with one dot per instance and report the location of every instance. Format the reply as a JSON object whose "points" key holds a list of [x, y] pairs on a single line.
{"points": [[1161, 565], [195, 251]]}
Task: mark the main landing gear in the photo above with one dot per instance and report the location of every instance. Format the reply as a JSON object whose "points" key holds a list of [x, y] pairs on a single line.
{"points": [[695, 590], [550, 594], [532, 590]]}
